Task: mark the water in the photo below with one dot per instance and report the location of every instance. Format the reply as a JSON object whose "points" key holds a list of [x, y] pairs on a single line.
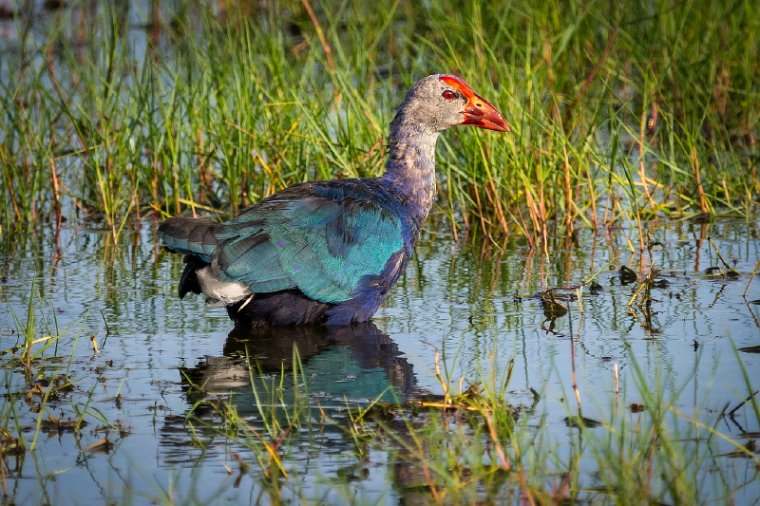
{"points": [[474, 305]]}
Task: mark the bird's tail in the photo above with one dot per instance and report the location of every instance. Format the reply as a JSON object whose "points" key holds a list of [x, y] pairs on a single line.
{"points": [[190, 236]]}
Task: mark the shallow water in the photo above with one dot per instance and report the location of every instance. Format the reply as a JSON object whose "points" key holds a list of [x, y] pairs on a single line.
{"points": [[476, 306]]}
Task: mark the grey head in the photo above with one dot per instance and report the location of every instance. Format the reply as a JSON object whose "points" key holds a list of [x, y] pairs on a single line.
{"points": [[440, 101]]}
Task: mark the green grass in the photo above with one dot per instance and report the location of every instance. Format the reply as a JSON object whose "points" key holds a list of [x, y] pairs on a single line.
{"points": [[620, 112]]}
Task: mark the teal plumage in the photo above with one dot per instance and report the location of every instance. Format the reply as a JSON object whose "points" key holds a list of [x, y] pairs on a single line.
{"points": [[320, 241], [329, 252]]}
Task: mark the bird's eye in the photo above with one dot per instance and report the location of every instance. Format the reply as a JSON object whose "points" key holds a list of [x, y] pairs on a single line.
{"points": [[449, 95]]}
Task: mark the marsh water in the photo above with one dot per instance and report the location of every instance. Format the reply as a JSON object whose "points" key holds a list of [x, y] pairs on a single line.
{"points": [[133, 396], [149, 396]]}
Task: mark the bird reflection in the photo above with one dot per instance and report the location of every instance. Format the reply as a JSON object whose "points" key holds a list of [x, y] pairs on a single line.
{"points": [[357, 362], [259, 376]]}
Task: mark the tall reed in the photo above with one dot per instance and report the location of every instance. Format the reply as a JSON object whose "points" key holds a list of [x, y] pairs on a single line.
{"points": [[620, 112]]}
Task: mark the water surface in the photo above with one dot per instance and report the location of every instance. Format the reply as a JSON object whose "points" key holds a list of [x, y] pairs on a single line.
{"points": [[474, 305]]}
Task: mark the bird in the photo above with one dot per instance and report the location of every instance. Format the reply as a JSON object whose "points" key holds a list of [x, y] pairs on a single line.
{"points": [[329, 252]]}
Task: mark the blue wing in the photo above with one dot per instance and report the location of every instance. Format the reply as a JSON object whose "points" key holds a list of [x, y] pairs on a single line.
{"points": [[319, 238]]}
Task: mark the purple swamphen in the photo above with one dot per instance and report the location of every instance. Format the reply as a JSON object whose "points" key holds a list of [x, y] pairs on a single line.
{"points": [[328, 252]]}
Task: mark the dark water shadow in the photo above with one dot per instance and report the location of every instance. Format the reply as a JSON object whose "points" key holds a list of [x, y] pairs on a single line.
{"points": [[354, 362], [258, 375]]}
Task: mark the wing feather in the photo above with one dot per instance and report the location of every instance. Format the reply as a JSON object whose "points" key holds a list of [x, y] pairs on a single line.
{"points": [[322, 244]]}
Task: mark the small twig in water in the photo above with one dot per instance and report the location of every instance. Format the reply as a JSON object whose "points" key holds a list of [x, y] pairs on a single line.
{"points": [[572, 365], [742, 403], [751, 277], [730, 270]]}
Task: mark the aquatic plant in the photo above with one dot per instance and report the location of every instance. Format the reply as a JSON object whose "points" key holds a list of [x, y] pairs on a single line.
{"points": [[620, 112]]}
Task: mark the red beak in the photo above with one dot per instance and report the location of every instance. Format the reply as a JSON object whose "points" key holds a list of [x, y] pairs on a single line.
{"points": [[480, 113]]}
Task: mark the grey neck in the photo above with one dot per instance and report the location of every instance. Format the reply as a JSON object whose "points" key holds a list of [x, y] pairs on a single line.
{"points": [[411, 167]]}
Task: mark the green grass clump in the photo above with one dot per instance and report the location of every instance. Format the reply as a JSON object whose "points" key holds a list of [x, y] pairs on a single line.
{"points": [[620, 111]]}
